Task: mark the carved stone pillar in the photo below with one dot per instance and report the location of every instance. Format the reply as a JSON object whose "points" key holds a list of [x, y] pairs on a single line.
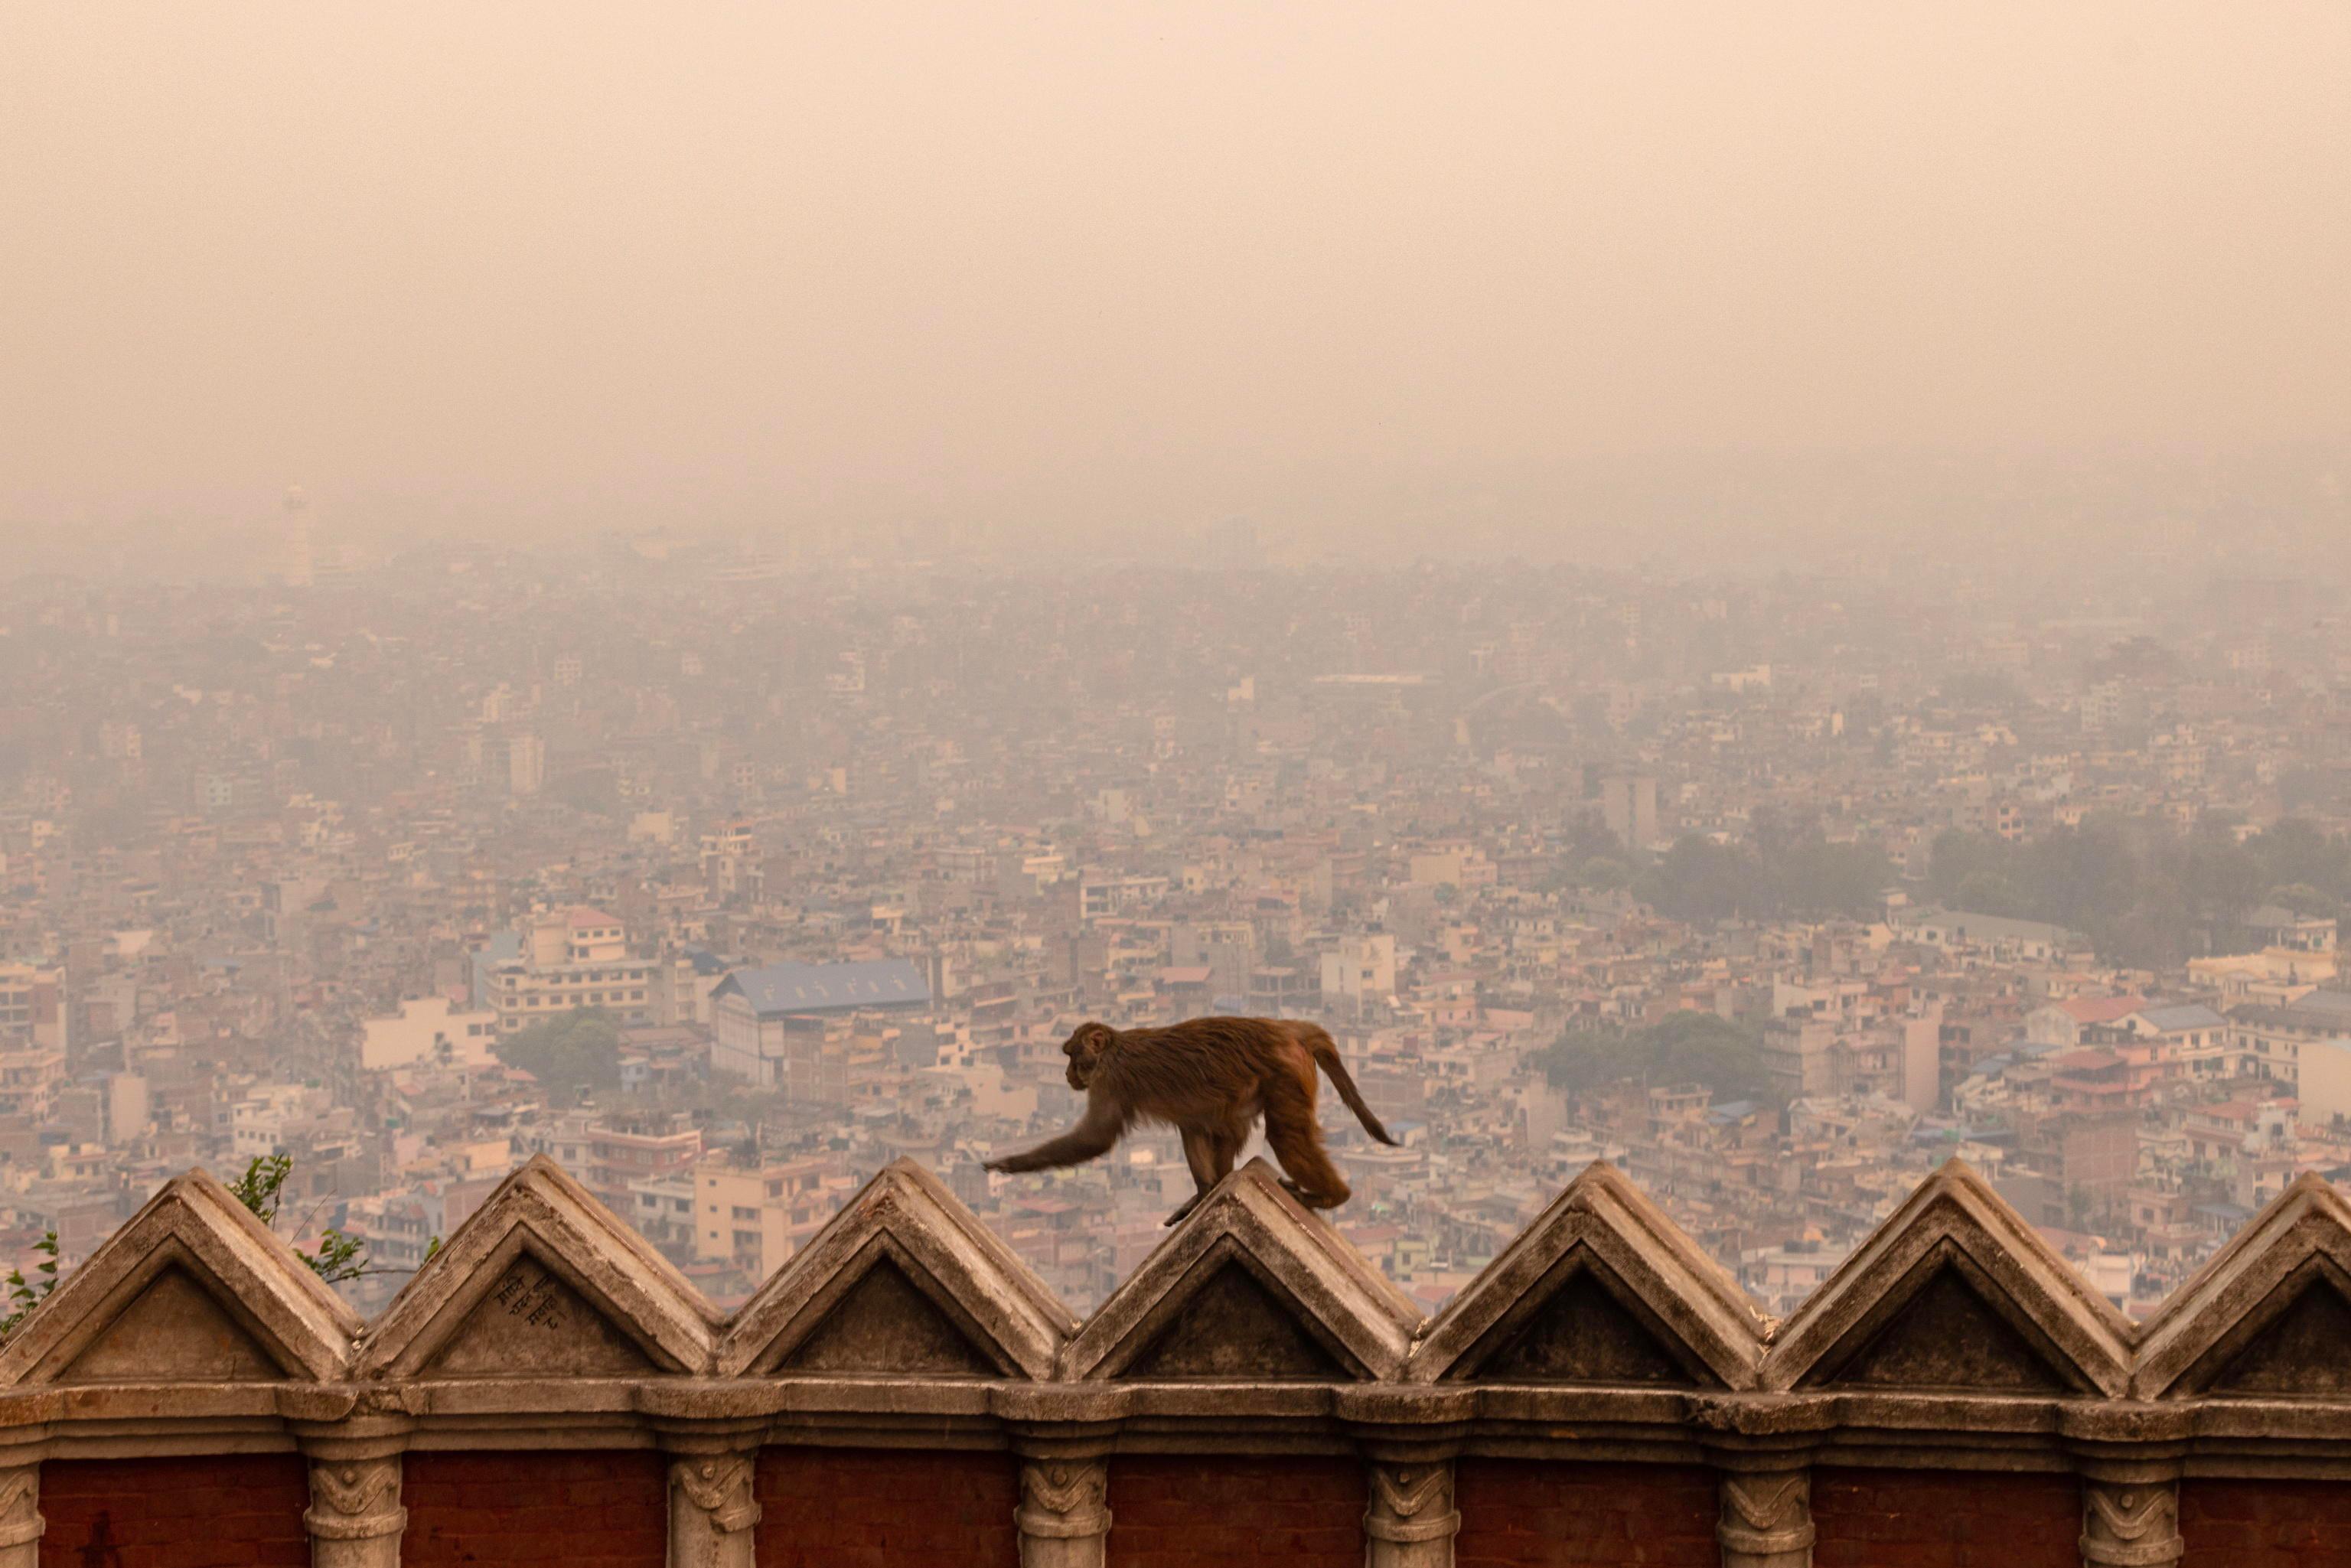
{"points": [[1411, 1520], [1767, 1517], [2130, 1522], [20, 1515], [2130, 1459], [712, 1510], [355, 1517], [1063, 1518]]}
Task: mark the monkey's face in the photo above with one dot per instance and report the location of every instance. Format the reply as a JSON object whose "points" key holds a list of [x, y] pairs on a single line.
{"points": [[1084, 1049]]}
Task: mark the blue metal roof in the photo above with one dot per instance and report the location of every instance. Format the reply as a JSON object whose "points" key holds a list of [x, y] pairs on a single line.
{"points": [[2182, 1015], [830, 988]]}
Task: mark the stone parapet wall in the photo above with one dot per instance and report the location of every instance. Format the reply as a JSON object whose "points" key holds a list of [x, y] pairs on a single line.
{"points": [[903, 1391]]}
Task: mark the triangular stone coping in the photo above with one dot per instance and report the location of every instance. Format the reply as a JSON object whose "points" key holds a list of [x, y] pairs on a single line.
{"points": [[1956, 1217], [2241, 1288], [540, 1211], [1603, 1223], [196, 1225], [1340, 1299], [906, 1215]]}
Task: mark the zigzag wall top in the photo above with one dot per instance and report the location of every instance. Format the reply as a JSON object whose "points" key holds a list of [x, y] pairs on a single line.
{"points": [[1954, 1324]]}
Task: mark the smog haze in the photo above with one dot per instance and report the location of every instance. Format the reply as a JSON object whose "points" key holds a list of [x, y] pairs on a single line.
{"points": [[1082, 271]]}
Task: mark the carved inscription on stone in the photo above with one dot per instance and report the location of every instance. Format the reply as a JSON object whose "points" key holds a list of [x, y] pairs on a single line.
{"points": [[532, 1323]]}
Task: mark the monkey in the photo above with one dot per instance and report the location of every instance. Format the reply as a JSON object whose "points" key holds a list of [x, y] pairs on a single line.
{"points": [[1208, 1078]]}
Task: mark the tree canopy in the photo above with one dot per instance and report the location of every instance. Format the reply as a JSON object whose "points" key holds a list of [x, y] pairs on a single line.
{"points": [[579, 1049], [1782, 869], [2145, 894], [1684, 1048]]}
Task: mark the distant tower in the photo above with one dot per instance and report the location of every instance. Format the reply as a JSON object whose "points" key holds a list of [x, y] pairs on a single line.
{"points": [[301, 564], [1628, 804]]}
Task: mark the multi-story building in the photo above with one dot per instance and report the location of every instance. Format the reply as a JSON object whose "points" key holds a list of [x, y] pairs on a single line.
{"points": [[755, 1217], [32, 1004], [1360, 970], [427, 1030], [30, 1080], [769, 1026], [570, 959]]}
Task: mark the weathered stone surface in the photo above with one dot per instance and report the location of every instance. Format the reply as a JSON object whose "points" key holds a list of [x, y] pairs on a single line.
{"points": [[1233, 1328], [355, 1518], [2254, 1319], [1947, 1335], [174, 1331], [542, 1250], [1410, 1520], [712, 1511], [2300, 1351], [1330, 1295], [940, 1257], [1766, 1518], [885, 1323], [1603, 1287], [530, 1320], [1583, 1333], [20, 1515], [1585, 1377], [2130, 1524], [235, 1303], [1064, 1517], [1896, 1283]]}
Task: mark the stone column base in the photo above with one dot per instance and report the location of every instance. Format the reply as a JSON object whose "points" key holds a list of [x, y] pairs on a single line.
{"points": [[1766, 1518], [1064, 1522]]}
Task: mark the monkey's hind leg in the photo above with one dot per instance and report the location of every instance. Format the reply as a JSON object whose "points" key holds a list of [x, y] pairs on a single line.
{"points": [[1297, 1143], [1200, 1153]]}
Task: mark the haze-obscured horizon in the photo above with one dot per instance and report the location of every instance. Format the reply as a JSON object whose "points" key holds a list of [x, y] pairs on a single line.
{"points": [[1753, 281]]}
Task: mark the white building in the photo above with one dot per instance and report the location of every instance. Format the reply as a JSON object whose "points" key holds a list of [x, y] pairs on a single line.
{"points": [[1360, 967], [428, 1029]]}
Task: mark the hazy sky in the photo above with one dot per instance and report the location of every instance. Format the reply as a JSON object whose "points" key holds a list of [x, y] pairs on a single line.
{"points": [[502, 264]]}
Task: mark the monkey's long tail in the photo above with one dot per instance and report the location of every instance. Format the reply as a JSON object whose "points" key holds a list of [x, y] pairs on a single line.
{"points": [[1326, 1056]]}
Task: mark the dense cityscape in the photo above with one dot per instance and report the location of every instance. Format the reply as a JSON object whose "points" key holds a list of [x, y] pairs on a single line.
{"points": [[727, 877]]}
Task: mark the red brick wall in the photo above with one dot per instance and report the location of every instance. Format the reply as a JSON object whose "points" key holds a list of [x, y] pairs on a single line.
{"points": [[1538, 1513], [239, 1511], [849, 1508], [583, 1510], [2265, 1524], [1176, 1510], [1939, 1519]]}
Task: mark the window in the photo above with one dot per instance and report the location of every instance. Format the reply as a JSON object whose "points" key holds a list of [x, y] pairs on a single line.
{"points": [[743, 1213]]}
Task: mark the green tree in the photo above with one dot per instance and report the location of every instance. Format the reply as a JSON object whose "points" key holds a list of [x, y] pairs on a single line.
{"points": [[262, 1190], [1687, 1047], [580, 1049], [23, 1295], [1603, 874]]}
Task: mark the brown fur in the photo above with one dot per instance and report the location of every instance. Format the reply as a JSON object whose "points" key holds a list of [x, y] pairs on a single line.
{"points": [[1208, 1078]]}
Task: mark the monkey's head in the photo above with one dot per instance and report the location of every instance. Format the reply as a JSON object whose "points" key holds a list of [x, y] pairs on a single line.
{"points": [[1084, 1049]]}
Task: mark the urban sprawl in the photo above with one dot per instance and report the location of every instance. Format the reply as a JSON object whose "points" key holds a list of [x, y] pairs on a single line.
{"points": [[726, 880]]}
